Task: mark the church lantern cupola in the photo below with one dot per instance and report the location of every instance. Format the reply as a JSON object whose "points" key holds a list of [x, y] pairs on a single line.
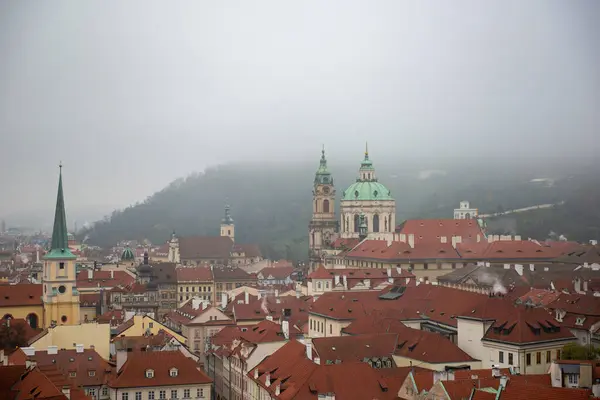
{"points": [[227, 225]]}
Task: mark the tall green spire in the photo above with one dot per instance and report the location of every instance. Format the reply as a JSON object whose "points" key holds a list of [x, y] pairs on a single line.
{"points": [[59, 247], [323, 176]]}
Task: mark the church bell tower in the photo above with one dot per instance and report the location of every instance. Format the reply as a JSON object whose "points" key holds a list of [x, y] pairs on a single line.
{"points": [[323, 224], [227, 225], [60, 294]]}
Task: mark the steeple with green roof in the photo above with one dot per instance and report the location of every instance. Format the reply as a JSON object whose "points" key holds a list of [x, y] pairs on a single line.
{"points": [[323, 176], [59, 246], [227, 220]]}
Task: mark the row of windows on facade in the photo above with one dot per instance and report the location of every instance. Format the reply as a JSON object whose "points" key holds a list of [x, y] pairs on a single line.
{"points": [[319, 326], [187, 289], [376, 224], [411, 266], [187, 297], [229, 286], [538, 357], [162, 394]]}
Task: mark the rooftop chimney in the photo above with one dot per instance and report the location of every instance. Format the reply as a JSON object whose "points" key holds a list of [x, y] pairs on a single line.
{"points": [[79, 348], [112, 274], [411, 240], [196, 303], [336, 279], [204, 305], [503, 381], [389, 272], [277, 293], [278, 389], [90, 273], [270, 318], [317, 361], [345, 278], [268, 380], [52, 349], [29, 351], [285, 327], [308, 350], [246, 297], [223, 300], [519, 269]]}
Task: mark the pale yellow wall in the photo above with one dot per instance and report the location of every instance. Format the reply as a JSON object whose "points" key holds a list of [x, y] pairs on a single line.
{"points": [[469, 337], [116, 394], [491, 356], [90, 312], [407, 362], [63, 336], [187, 290], [60, 305], [141, 323], [325, 327], [23, 312]]}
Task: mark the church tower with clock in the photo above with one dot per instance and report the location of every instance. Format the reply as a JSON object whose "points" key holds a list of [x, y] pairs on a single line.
{"points": [[323, 225]]}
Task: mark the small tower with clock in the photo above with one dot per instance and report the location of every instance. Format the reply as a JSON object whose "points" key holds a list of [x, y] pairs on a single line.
{"points": [[323, 224]]}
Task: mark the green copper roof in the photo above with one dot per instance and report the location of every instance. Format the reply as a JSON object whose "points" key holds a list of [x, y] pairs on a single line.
{"points": [[59, 247], [127, 255], [227, 220], [323, 176], [366, 164], [366, 186], [367, 190]]}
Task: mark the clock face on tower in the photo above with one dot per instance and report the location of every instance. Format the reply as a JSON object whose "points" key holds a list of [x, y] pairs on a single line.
{"points": [[326, 190]]}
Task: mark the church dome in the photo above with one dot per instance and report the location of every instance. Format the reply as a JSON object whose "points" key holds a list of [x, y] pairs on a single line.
{"points": [[366, 186], [127, 255], [367, 190]]}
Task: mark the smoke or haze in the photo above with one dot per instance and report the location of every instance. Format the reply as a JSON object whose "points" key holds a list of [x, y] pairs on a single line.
{"points": [[130, 95]]}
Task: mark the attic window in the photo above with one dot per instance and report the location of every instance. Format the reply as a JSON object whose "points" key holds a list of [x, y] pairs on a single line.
{"points": [[149, 373], [91, 373], [173, 372]]}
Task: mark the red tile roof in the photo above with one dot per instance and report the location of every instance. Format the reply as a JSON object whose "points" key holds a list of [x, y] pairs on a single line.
{"points": [[205, 247], [113, 317], [477, 373], [104, 279], [37, 385], [9, 375], [527, 325], [69, 361], [345, 243], [20, 295], [194, 274], [133, 372], [522, 391], [249, 250], [355, 348], [266, 331], [432, 230], [276, 272], [378, 250], [300, 378], [141, 342], [89, 299]]}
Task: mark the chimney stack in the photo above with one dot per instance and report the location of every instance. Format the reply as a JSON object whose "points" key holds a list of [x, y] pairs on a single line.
{"points": [[224, 300], [79, 348], [309, 350], [345, 278], [196, 303], [411, 240], [90, 273], [112, 274], [29, 351], [285, 327], [52, 349], [246, 297]]}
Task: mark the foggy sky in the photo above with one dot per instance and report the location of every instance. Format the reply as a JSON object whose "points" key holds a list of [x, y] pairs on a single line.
{"points": [[130, 95]]}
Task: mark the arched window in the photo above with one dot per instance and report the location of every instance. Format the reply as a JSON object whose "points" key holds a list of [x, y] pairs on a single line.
{"points": [[467, 216], [32, 320], [325, 206], [356, 222], [375, 223]]}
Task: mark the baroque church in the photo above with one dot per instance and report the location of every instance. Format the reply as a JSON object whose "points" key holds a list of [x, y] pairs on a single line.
{"points": [[367, 209]]}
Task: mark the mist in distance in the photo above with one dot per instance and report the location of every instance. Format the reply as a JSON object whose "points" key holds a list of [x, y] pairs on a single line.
{"points": [[132, 95]]}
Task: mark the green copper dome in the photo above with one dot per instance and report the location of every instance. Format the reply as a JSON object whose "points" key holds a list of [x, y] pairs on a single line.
{"points": [[366, 186], [127, 255], [369, 190]]}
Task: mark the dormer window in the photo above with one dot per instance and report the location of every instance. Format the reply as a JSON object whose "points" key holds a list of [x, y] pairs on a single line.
{"points": [[149, 373], [579, 321], [173, 372]]}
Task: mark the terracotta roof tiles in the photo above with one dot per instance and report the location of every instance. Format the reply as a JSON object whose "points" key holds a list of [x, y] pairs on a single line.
{"points": [[20, 295], [132, 374]]}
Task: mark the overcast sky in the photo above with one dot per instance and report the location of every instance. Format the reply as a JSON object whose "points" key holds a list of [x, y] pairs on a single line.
{"points": [[132, 94]]}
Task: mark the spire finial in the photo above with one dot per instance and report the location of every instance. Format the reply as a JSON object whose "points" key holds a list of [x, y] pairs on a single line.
{"points": [[366, 150], [60, 166]]}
